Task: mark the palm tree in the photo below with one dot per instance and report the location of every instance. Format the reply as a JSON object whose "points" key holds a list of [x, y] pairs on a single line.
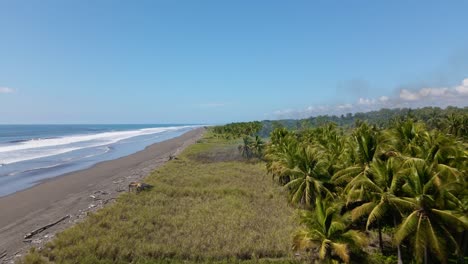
{"points": [[251, 147], [378, 193], [428, 226], [363, 149], [440, 148], [433, 119], [454, 123], [279, 135], [245, 149], [257, 146], [324, 229], [404, 138], [280, 154], [308, 174], [330, 140]]}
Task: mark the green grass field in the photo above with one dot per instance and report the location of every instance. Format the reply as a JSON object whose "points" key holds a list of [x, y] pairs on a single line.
{"points": [[206, 206]]}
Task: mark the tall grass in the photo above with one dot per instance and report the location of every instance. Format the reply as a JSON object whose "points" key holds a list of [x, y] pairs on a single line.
{"points": [[206, 206]]}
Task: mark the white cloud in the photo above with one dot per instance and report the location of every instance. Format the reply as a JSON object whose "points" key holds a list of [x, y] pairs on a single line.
{"points": [[383, 99], [463, 89], [425, 93], [439, 93], [345, 106], [435, 91], [6, 90], [428, 96], [408, 95], [366, 101]]}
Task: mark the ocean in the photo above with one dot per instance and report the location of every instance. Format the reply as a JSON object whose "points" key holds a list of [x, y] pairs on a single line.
{"points": [[32, 153]]}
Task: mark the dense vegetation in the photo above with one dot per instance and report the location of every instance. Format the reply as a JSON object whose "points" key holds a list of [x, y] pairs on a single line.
{"points": [[237, 130], [208, 205], [451, 120], [403, 180]]}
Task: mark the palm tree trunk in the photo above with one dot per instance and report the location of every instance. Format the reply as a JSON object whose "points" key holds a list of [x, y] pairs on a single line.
{"points": [[400, 261], [380, 236], [463, 246], [425, 255]]}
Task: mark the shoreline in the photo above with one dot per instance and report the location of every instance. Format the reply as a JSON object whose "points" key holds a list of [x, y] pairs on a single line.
{"points": [[77, 193], [21, 172]]}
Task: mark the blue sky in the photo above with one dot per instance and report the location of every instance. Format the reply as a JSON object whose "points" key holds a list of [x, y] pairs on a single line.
{"points": [[222, 61]]}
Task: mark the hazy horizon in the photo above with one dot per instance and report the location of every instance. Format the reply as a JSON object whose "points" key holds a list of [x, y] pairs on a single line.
{"points": [[212, 62]]}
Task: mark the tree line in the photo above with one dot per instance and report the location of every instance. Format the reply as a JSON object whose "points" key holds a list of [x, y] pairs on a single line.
{"points": [[452, 120]]}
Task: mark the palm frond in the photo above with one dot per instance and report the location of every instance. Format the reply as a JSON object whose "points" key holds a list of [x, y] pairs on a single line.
{"points": [[355, 237], [324, 248], [345, 175], [407, 227], [362, 210], [455, 221], [434, 241], [301, 240], [377, 213], [341, 250]]}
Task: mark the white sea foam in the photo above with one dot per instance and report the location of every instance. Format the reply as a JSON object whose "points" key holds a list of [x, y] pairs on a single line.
{"points": [[41, 148], [28, 154]]}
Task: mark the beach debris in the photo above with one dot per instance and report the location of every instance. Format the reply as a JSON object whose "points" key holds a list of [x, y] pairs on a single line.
{"points": [[108, 200], [138, 186], [3, 254], [36, 241], [96, 194], [39, 230], [101, 192]]}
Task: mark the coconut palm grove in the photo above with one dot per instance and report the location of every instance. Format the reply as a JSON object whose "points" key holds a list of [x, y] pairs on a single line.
{"points": [[387, 186]]}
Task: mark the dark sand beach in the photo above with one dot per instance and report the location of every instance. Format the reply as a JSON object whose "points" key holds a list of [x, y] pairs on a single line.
{"points": [[75, 194]]}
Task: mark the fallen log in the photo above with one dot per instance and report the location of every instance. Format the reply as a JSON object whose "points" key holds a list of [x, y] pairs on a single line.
{"points": [[39, 230], [173, 157]]}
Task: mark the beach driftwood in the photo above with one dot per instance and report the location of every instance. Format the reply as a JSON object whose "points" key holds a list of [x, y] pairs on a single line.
{"points": [[3, 254], [39, 230], [138, 186]]}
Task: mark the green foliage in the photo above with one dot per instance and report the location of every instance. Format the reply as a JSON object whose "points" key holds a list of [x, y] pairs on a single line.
{"points": [[378, 258], [33, 257], [405, 178], [238, 130], [251, 147], [328, 231]]}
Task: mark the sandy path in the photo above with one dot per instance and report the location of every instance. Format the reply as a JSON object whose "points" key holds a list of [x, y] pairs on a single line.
{"points": [[75, 194]]}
